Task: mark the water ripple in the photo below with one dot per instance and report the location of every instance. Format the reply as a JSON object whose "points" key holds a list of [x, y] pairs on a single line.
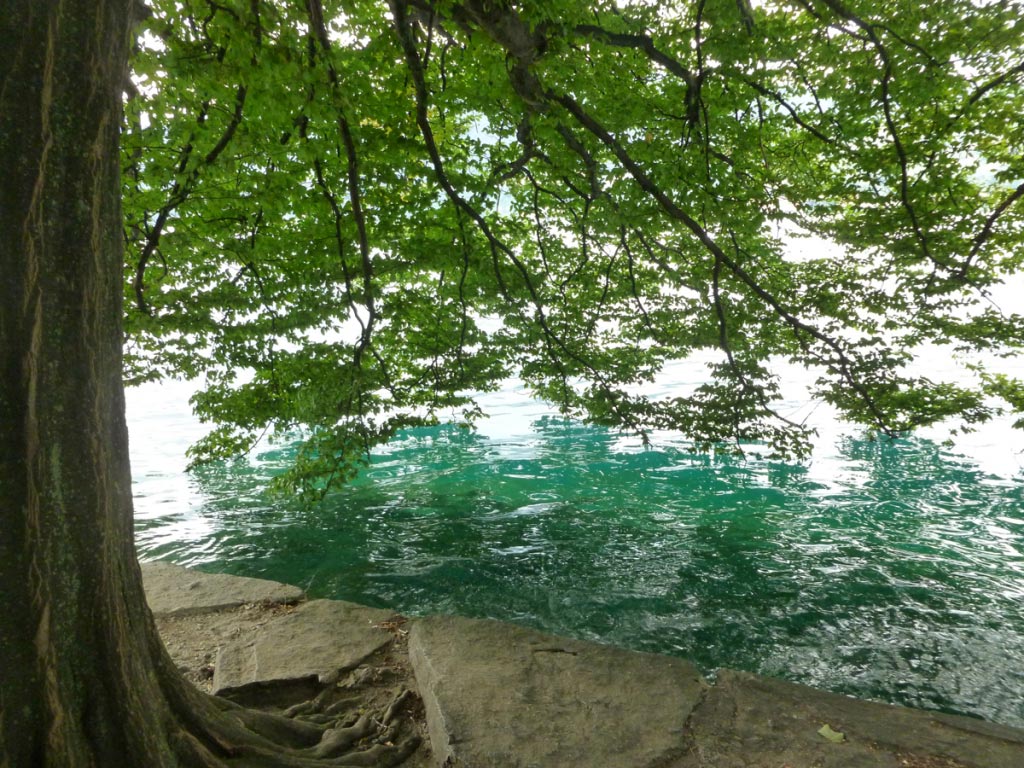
{"points": [[891, 571]]}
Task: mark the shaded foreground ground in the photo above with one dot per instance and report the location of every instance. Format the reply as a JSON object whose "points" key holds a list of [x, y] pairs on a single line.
{"points": [[485, 694]]}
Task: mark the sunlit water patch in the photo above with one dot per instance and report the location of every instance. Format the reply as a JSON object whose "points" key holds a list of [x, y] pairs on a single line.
{"points": [[888, 570]]}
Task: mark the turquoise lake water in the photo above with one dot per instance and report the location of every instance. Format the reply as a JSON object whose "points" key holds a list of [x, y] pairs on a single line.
{"points": [[887, 570]]}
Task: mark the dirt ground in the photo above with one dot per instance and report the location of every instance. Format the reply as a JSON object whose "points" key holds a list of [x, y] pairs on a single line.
{"points": [[372, 688]]}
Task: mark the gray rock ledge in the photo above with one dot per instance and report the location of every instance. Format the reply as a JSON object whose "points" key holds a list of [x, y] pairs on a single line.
{"points": [[501, 696], [509, 697], [173, 590], [318, 640], [749, 721]]}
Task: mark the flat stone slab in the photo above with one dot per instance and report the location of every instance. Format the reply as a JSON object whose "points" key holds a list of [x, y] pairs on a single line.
{"points": [[318, 640], [510, 697], [748, 721], [173, 590]]}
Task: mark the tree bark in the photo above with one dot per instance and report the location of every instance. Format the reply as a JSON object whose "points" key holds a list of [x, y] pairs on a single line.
{"points": [[84, 678], [82, 664]]}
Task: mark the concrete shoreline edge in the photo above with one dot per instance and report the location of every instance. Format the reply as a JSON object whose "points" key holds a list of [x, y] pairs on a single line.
{"points": [[501, 695]]}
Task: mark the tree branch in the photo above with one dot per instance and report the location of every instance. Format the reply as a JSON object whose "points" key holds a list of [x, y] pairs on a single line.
{"points": [[673, 210], [316, 19], [642, 43], [179, 194], [552, 340]]}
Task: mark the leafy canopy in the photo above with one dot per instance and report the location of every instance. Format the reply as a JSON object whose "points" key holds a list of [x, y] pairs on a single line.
{"points": [[375, 209]]}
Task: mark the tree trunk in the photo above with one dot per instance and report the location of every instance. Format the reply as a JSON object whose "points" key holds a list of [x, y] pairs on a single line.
{"points": [[84, 677], [80, 657]]}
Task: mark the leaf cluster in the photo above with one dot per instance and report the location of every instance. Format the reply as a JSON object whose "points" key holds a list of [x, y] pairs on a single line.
{"points": [[350, 216]]}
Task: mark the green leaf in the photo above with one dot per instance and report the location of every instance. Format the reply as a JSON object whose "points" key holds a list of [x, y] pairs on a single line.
{"points": [[338, 236], [834, 736]]}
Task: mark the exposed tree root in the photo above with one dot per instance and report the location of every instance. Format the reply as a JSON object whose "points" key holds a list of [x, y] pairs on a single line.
{"points": [[331, 729], [338, 741], [283, 730]]}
